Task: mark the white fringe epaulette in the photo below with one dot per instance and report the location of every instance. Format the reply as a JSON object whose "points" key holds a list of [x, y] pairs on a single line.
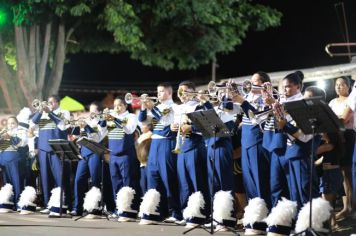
{"points": [[195, 204], [92, 199], [283, 213], [255, 211], [321, 212], [223, 206], [24, 115], [27, 197], [124, 199], [6, 194], [150, 203], [54, 200]]}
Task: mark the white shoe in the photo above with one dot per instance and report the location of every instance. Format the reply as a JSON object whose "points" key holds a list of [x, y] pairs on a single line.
{"points": [[220, 228], [114, 215], [125, 219], [45, 211], [24, 212], [3, 210], [181, 222], [92, 216], [147, 222], [190, 225], [54, 213], [208, 225], [170, 220]]}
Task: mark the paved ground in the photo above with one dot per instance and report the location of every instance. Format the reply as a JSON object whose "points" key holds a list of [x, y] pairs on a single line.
{"points": [[15, 224]]}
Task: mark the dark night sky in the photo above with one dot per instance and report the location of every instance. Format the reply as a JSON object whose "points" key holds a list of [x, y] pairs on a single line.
{"points": [[306, 27]]}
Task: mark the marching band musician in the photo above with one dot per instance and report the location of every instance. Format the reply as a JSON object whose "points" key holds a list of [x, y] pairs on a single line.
{"points": [[124, 167], [222, 147], [23, 118], [191, 160], [90, 164], [298, 145], [50, 120], [255, 161], [142, 150], [162, 163], [12, 159], [275, 142]]}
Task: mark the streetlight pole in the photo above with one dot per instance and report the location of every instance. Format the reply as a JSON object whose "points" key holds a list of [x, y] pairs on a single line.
{"points": [[213, 70]]}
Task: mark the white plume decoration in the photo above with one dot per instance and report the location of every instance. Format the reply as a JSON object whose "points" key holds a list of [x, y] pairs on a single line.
{"points": [[54, 200], [255, 211], [150, 203], [124, 199], [195, 204], [321, 212], [92, 199], [223, 206], [6, 194], [27, 197], [283, 213]]}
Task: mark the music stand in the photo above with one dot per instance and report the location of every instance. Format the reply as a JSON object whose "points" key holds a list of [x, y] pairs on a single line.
{"points": [[210, 124], [65, 150], [98, 149], [313, 116]]}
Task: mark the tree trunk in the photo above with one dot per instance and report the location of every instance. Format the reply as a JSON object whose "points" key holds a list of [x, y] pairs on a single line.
{"points": [[59, 58], [43, 60], [23, 69], [8, 84]]}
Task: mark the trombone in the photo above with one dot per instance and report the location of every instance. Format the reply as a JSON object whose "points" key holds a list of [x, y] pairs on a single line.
{"points": [[129, 98]]}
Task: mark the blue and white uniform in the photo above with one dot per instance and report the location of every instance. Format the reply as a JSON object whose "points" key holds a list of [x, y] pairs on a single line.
{"points": [[275, 141], [12, 160], [145, 137], [162, 163], [298, 156], [52, 126], [255, 161], [191, 161], [89, 165], [221, 151], [124, 166]]}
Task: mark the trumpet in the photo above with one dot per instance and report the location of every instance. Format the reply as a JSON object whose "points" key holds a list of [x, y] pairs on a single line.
{"points": [[129, 98], [3, 132], [268, 89], [180, 138], [241, 88], [38, 105], [108, 114], [260, 118], [192, 94], [74, 123]]}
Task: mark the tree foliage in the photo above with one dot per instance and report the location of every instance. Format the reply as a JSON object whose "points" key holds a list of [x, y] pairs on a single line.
{"points": [[169, 34]]}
